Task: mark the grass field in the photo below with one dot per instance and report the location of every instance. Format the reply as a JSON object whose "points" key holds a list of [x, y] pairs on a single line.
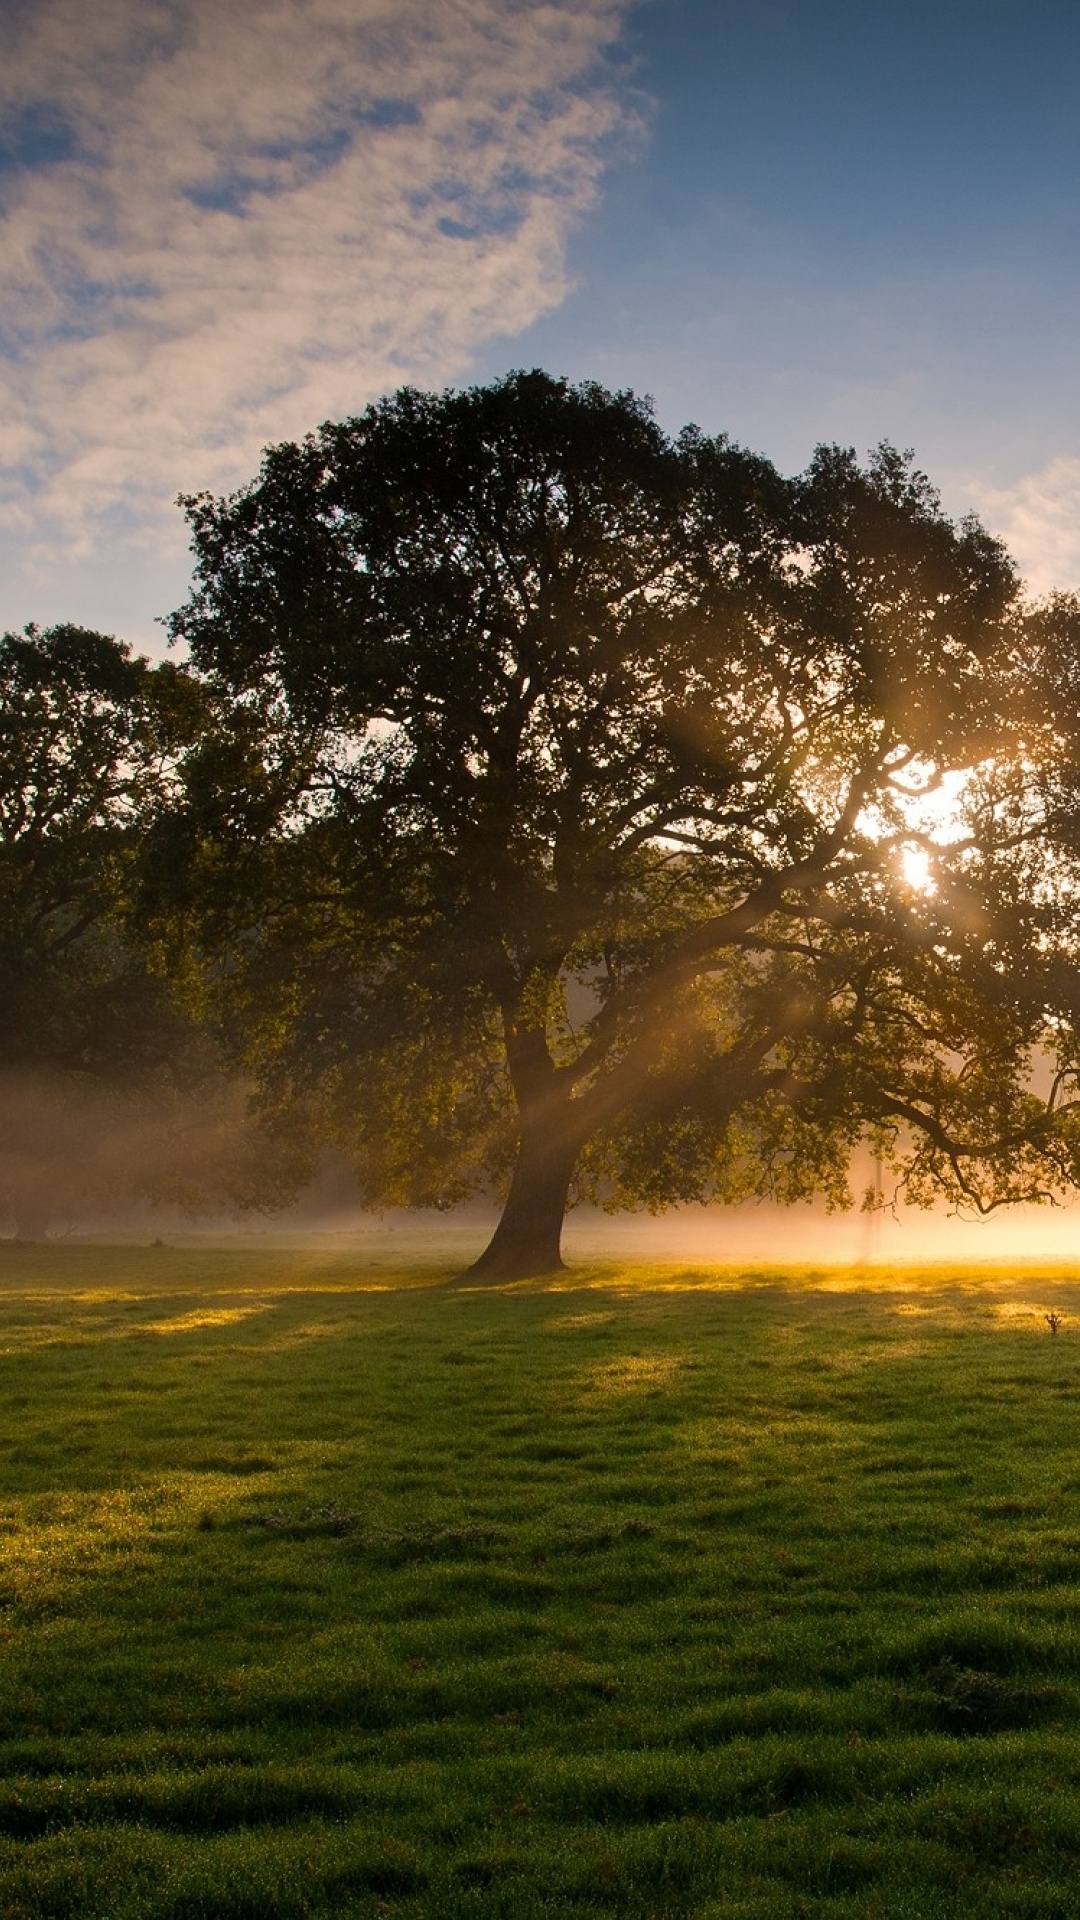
{"points": [[333, 1591]]}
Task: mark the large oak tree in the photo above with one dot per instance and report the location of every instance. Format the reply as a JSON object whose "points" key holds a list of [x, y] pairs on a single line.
{"points": [[574, 814]]}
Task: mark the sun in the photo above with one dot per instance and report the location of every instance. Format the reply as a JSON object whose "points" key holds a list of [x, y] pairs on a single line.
{"points": [[915, 867], [930, 809]]}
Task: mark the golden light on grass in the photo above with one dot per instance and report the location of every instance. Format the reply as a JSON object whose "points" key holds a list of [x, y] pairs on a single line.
{"points": [[577, 1322], [631, 1373], [199, 1318], [50, 1544]]}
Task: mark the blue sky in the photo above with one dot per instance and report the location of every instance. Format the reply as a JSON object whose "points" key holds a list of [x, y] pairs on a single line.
{"points": [[850, 221], [794, 220]]}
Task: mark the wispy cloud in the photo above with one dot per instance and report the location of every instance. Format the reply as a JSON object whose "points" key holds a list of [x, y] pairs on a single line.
{"points": [[224, 220], [1039, 520]]}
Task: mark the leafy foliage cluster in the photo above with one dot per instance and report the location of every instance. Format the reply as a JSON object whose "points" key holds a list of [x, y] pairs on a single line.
{"points": [[107, 1089]]}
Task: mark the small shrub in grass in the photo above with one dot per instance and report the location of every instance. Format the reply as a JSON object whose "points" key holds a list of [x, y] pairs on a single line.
{"points": [[968, 1701]]}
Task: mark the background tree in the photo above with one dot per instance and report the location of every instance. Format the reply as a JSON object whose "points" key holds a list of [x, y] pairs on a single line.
{"points": [[106, 1089], [573, 815]]}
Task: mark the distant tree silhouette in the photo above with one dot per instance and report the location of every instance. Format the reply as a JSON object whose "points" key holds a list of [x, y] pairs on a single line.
{"points": [[106, 1089], [555, 825]]}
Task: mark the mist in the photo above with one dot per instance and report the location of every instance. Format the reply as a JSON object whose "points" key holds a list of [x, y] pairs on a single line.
{"points": [[79, 1155], [82, 1162], [751, 1233]]}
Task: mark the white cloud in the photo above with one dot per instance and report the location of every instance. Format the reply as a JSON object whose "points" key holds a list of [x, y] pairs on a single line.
{"points": [[224, 220], [1039, 520]]}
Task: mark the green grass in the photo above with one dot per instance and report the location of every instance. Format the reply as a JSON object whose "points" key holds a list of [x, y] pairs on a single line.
{"points": [[327, 1591]]}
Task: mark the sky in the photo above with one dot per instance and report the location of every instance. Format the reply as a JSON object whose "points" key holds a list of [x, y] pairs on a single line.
{"points": [[222, 221]]}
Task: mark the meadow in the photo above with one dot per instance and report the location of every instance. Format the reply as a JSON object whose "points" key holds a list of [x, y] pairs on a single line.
{"points": [[329, 1589]]}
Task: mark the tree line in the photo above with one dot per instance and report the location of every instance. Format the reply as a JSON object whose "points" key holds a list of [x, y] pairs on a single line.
{"points": [[543, 805]]}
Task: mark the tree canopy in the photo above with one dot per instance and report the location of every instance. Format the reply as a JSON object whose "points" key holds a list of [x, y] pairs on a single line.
{"points": [[106, 1087], [601, 813]]}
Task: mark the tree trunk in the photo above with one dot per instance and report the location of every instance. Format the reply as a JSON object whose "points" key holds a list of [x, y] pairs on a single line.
{"points": [[526, 1241]]}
